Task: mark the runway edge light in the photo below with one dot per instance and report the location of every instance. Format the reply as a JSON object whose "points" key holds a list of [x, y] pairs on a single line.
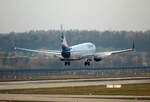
{"points": [[113, 86]]}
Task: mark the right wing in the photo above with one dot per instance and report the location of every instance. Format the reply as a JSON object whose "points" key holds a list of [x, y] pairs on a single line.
{"points": [[105, 54], [48, 52]]}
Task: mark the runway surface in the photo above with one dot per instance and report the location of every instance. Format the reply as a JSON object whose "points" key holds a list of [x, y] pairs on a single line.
{"points": [[71, 82], [74, 98]]}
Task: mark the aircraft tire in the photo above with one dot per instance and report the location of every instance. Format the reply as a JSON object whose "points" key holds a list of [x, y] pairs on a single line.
{"points": [[88, 63], [85, 63], [65, 63], [68, 63]]}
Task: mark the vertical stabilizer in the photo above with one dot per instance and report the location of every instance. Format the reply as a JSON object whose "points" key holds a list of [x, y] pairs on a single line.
{"points": [[64, 44]]}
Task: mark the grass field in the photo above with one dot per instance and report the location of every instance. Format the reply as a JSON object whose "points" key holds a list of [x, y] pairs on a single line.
{"points": [[20, 101], [133, 89]]}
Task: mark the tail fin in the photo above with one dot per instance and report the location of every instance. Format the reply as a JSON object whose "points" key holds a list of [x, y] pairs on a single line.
{"points": [[64, 44]]}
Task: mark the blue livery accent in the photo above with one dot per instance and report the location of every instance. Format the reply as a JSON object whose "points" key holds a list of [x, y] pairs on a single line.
{"points": [[64, 48], [65, 52]]}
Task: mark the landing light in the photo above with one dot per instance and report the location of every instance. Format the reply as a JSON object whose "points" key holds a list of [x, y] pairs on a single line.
{"points": [[113, 86]]}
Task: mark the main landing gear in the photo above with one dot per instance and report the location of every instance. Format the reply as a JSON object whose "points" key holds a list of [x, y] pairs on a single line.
{"points": [[67, 63], [87, 63]]}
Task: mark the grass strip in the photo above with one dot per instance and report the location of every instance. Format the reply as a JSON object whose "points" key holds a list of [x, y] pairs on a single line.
{"points": [[132, 89], [22, 101]]}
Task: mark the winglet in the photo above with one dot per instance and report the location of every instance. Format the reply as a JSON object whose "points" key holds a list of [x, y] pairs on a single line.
{"points": [[133, 46]]}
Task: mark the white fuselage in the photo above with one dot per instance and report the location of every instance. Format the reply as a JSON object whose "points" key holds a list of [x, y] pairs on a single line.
{"points": [[80, 50]]}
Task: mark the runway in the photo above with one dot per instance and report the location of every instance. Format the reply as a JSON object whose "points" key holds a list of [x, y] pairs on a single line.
{"points": [[73, 98], [71, 83]]}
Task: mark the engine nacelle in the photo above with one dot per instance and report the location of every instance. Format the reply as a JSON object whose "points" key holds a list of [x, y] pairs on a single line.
{"points": [[97, 59]]}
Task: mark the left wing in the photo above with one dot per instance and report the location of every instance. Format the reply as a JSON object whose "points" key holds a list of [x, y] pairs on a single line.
{"points": [[48, 52]]}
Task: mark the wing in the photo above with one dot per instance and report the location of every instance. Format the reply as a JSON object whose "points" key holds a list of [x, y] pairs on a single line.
{"points": [[105, 54], [48, 52]]}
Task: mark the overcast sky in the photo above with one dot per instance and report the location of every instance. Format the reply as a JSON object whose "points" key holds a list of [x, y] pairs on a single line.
{"points": [[25, 15]]}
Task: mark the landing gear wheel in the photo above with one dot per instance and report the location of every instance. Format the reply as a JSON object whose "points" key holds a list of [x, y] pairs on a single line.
{"points": [[85, 63], [67, 63], [88, 63]]}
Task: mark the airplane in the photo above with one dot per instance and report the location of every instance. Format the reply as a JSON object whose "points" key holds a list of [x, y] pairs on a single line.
{"points": [[85, 51]]}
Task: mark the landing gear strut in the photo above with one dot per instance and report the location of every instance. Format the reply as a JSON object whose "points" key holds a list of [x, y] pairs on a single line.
{"points": [[67, 63]]}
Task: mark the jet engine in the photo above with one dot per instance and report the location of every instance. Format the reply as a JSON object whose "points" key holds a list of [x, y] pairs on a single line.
{"points": [[97, 59]]}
